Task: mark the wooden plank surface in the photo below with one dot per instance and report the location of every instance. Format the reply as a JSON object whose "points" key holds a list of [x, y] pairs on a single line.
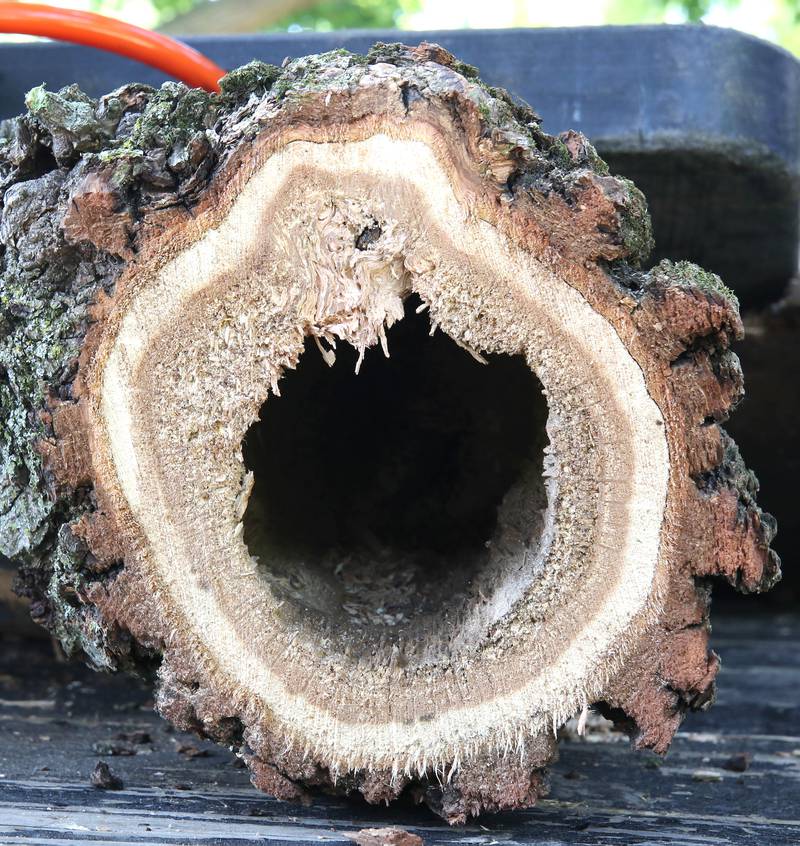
{"points": [[57, 720]]}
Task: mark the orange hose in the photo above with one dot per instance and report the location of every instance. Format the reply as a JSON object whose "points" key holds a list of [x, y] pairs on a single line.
{"points": [[171, 56]]}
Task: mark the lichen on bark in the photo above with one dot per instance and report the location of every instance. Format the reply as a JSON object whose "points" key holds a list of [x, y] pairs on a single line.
{"points": [[48, 282]]}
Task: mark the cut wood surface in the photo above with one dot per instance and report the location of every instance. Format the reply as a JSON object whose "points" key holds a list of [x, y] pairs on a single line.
{"points": [[339, 405]]}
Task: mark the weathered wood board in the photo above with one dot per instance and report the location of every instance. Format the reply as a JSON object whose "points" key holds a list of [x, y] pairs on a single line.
{"points": [[52, 714]]}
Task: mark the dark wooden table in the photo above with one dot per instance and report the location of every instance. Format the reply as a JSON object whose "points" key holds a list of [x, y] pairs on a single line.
{"points": [[58, 719]]}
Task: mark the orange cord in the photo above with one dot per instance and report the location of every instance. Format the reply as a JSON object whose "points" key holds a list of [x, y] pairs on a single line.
{"points": [[171, 56]]}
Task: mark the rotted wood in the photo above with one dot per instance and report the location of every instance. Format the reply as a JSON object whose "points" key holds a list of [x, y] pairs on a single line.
{"points": [[176, 261]]}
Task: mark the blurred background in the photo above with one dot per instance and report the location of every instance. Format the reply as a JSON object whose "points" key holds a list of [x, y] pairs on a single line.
{"points": [[772, 20]]}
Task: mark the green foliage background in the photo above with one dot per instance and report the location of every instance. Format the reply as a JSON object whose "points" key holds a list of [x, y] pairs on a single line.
{"points": [[325, 15], [352, 14]]}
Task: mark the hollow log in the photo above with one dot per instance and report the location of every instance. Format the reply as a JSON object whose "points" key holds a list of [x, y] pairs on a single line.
{"points": [[340, 405]]}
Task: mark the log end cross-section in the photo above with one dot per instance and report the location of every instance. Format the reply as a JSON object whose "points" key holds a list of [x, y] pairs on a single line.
{"points": [[339, 405]]}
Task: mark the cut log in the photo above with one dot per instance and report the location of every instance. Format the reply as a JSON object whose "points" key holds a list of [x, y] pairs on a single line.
{"points": [[339, 405]]}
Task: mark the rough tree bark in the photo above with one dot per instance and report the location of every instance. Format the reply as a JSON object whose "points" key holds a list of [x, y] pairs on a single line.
{"points": [[168, 254]]}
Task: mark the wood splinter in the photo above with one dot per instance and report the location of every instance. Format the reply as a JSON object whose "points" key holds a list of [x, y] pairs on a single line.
{"points": [[402, 580]]}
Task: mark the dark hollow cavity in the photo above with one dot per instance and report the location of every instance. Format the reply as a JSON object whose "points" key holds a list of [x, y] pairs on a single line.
{"points": [[376, 495]]}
